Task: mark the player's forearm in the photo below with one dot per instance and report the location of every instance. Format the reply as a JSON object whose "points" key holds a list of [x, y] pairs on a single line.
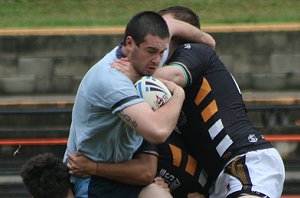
{"points": [[195, 35], [131, 173], [171, 73], [189, 33], [138, 171], [155, 126], [158, 125], [171, 111], [205, 38]]}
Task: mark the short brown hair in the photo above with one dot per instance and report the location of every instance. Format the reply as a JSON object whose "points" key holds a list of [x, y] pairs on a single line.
{"points": [[183, 14]]}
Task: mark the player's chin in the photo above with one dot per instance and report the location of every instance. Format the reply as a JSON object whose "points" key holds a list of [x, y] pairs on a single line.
{"points": [[150, 70]]}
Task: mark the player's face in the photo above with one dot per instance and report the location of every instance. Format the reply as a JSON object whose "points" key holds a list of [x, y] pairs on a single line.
{"points": [[145, 58]]}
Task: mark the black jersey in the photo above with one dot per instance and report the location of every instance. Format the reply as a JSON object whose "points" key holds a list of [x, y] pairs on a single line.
{"points": [[179, 169], [215, 127]]}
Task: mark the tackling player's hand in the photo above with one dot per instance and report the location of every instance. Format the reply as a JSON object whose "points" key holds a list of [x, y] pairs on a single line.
{"points": [[124, 65], [80, 165], [161, 183]]}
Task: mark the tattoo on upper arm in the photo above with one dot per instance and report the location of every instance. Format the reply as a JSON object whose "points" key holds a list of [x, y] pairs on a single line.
{"points": [[128, 119]]}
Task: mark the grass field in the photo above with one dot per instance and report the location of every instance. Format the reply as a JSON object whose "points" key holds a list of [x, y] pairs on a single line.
{"points": [[71, 13]]}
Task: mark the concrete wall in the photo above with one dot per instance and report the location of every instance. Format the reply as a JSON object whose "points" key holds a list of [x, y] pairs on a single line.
{"points": [[50, 64], [262, 60]]}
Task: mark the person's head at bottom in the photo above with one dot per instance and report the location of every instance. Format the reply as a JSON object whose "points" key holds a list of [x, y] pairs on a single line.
{"points": [[45, 176]]}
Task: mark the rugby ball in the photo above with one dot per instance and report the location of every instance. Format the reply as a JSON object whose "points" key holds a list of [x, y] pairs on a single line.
{"points": [[153, 91]]}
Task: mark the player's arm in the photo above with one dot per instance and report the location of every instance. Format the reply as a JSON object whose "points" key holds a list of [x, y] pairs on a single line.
{"points": [[139, 171], [155, 126], [174, 72], [189, 33]]}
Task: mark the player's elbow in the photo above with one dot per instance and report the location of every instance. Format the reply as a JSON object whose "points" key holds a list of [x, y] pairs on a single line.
{"points": [[159, 136], [162, 137], [213, 44]]}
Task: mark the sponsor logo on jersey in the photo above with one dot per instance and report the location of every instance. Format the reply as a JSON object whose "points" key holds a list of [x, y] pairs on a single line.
{"points": [[170, 179], [187, 46], [252, 138]]}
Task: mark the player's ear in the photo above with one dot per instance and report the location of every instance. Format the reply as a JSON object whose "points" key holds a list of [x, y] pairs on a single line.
{"points": [[129, 41]]}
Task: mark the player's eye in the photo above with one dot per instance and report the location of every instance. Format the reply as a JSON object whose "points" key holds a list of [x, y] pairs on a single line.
{"points": [[151, 51]]}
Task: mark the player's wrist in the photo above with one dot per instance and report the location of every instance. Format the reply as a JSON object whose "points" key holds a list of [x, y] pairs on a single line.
{"points": [[97, 171]]}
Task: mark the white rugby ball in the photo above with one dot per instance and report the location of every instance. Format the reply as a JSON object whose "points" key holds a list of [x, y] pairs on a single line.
{"points": [[153, 91]]}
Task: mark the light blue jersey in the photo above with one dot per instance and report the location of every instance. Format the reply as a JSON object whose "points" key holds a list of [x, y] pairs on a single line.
{"points": [[96, 129]]}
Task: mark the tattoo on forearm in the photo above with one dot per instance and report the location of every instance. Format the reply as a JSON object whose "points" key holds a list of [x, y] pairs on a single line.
{"points": [[128, 119]]}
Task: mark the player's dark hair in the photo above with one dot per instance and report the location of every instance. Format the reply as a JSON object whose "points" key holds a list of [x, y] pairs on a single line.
{"points": [[183, 14], [45, 176], [145, 23]]}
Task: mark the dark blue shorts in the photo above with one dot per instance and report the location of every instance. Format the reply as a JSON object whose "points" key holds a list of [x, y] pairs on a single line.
{"points": [[104, 188]]}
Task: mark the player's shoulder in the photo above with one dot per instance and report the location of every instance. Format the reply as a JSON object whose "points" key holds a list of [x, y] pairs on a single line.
{"points": [[194, 47]]}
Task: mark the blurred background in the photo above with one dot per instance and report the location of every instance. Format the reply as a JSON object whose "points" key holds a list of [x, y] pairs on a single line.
{"points": [[47, 46]]}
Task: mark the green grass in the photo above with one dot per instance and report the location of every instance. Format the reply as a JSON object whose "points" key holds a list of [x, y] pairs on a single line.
{"points": [[68, 13]]}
